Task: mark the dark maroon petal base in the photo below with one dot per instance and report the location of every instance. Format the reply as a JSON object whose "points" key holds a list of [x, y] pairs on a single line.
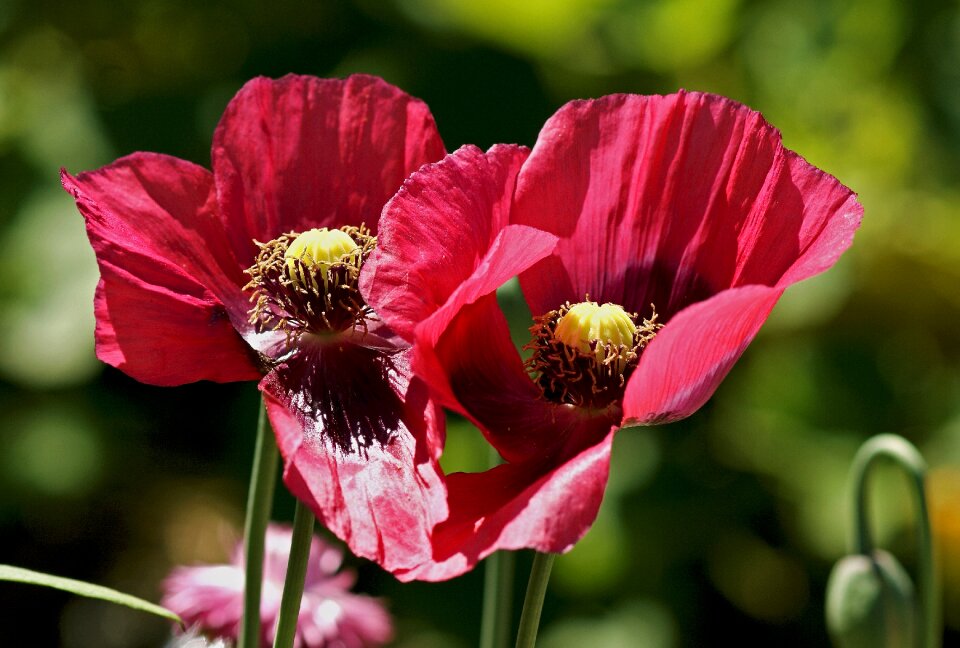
{"points": [[353, 430]]}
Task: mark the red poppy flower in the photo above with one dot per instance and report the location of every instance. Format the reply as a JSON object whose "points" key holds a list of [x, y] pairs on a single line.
{"points": [[301, 170], [651, 235]]}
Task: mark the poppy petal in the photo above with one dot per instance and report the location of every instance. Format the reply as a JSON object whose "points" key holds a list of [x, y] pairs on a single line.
{"points": [[301, 152], [169, 299], [671, 199], [547, 505], [167, 335], [442, 228], [831, 216], [685, 363], [352, 430], [443, 250], [483, 344]]}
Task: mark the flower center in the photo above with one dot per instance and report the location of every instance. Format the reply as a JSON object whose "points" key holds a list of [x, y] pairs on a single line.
{"points": [[583, 353], [308, 283], [316, 249], [601, 330]]}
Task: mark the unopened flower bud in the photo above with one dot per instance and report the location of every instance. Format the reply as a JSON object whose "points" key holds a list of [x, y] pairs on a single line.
{"points": [[870, 603]]}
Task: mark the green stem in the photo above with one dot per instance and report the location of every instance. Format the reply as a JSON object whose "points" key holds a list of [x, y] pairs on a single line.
{"points": [[259, 500], [906, 457], [497, 599], [497, 590], [296, 572], [533, 602]]}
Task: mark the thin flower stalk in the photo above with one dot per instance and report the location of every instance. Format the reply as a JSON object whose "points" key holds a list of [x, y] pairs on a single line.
{"points": [[259, 502], [303, 521], [533, 601]]}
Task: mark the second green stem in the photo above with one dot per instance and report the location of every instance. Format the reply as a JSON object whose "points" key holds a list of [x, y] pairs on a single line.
{"points": [[296, 573], [497, 599], [259, 500], [533, 602]]}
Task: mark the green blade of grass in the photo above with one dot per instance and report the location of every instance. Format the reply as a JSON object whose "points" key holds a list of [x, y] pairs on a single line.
{"points": [[80, 588]]}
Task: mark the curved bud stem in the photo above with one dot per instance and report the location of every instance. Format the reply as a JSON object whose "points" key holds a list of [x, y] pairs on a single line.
{"points": [[907, 458]]}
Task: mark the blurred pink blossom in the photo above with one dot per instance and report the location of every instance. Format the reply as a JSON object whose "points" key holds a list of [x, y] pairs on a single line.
{"points": [[210, 597]]}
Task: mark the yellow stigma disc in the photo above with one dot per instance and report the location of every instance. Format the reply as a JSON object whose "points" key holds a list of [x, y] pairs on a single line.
{"points": [[588, 322], [318, 247]]}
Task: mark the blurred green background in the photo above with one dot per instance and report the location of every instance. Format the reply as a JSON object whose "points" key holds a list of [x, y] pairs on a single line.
{"points": [[718, 529]]}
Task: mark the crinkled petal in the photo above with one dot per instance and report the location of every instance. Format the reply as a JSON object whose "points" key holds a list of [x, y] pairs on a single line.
{"points": [[831, 215], [546, 504], [444, 228], [671, 199], [170, 296], [167, 335], [685, 363], [445, 247], [352, 429], [301, 152]]}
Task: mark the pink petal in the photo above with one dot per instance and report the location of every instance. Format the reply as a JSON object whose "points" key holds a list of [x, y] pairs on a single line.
{"points": [[352, 430], [333, 617], [167, 335], [668, 200], [692, 354], [210, 597], [170, 296], [302, 152], [546, 504], [325, 559], [445, 247], [445, 225], [831, 216]]}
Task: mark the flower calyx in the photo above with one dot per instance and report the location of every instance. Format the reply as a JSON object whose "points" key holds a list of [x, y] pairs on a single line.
{"points": [[309, 282], [583, 353]]}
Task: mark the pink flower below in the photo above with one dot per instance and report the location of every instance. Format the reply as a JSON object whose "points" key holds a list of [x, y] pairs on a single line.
{"points": [[210, 597]]}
